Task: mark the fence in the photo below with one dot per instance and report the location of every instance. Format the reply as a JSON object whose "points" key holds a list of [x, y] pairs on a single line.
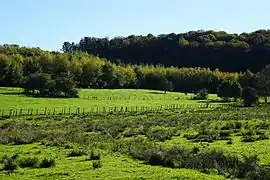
{"points": [[96, 110], [134, 98]]}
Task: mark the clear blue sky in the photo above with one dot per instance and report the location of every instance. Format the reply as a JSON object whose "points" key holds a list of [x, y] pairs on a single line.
{"points": [[48, 23]]}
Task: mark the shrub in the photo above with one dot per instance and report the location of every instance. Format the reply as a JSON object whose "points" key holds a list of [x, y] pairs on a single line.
{"points": [[249, 96], [138, 146], [9, 163], [248, 132], [262, 137], [230, 165], [47, 163], [195, 150], [72, 93], [226, 126], [154, 157], [76, 152], [224, 133], [248, 139], [237, 125], [96, 164], [25, 136], [28, 162], [201, 95], [159, 134], [229, 89], [94, 156], [230, 141]]}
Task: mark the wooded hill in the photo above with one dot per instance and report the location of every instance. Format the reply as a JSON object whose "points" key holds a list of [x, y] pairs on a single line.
{"points": [[208, 49]]}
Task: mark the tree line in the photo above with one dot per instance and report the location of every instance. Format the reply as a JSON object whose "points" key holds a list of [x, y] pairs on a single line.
{"points": [[59, 74], [208, 49]]}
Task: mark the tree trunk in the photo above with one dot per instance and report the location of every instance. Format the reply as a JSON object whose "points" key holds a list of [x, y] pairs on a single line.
{"points": [[265, 99]]}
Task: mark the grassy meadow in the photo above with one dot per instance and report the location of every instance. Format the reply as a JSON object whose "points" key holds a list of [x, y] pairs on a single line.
{"points": [[168, 144], [92, 99]]}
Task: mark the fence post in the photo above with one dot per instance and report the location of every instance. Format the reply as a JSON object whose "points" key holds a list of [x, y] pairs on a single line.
{"points": [[10, 112], [92, 109]]}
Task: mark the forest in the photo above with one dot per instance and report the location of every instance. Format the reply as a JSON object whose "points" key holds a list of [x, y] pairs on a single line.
{"points": [[86, 65], [208, 49], [19, 65]]}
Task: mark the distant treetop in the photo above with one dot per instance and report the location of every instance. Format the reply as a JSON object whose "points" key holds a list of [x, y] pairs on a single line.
{"points": [[213, 49]]}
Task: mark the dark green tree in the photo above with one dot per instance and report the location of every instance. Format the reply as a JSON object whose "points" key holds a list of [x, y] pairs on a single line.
{"points": [[235, 90], [157, 81], [66, 84], [140, 77], [247, 79], [89, 75], [202, 94], [41, 82], [263, 83], [229, 89], [107, 79], [249, 96]]}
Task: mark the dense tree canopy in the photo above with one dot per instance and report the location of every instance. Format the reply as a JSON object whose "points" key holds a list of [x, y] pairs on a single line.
{"points": [[87, 71], [54, 73], [208, 49]]}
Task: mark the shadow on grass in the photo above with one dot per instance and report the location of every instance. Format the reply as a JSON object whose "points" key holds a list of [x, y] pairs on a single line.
{"points": [[33, 95], [157, 92], [12, 93], [217, 101]]}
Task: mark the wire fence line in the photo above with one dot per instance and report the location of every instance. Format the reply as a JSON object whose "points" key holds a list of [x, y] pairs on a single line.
{"points": [[96, 110], [133, 98]]}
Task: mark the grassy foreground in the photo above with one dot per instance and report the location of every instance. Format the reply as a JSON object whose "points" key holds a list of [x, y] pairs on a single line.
{"points": [[114, 166], [167, 144], [137, 145], [91, 99]]}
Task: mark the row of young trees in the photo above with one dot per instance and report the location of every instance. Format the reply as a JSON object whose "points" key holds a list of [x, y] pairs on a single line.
{"points": [[54, 74], [89, 71], [228, 52]]}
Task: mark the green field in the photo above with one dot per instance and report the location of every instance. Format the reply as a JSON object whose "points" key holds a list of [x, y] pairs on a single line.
{"points": [[91, 100], [167, 144]]}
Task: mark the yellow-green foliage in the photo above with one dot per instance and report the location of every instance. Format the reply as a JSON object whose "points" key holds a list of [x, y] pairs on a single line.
{"points": [[87, 70]]}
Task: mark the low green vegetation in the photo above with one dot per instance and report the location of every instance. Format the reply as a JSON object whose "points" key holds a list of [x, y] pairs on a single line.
{"points": [[172, 144]]}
